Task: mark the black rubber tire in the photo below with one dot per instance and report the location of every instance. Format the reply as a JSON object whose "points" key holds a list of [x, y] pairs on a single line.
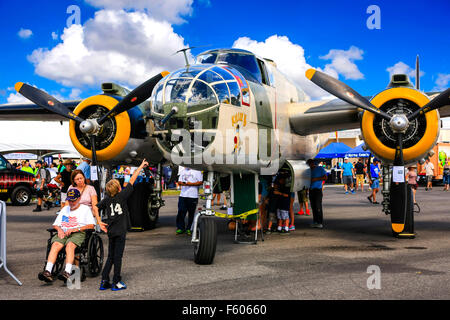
{"points": [[21, 196], [95, 256], [205, 249]]}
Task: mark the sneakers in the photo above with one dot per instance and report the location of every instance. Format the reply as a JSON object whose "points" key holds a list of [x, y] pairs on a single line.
{"points": [[119, 286], [189, 232], [292, 228], [179, 231], [353, 191], [38, 209], [301, 212], [45, 276], [307, 212], [316, 225], [370, 199], [105, 284], [346, 192], [223, 208]]}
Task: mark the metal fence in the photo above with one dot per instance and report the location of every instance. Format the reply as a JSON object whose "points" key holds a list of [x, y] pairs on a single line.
{"points": [[3, 241]]}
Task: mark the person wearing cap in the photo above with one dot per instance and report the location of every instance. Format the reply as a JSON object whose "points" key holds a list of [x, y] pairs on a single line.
{"points": [[347, 175], [70, 224], [374, 180], [318, 175]]}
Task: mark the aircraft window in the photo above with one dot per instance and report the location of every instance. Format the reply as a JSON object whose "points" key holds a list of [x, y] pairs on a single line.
{"points": [[186, 73], [210, 76], [225, 74], [246, 61], [157, 100], [176, 90], [235, 92], [201, 95], [222, 92], [207, 58], [264, 76], [2, 164]]}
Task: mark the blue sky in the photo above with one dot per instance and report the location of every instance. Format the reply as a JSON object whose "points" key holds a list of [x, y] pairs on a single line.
{"points": [[408, 28]]}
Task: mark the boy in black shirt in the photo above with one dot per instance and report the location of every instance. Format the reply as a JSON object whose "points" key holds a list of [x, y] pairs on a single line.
{"points": [[118, 222], [283, 194]]}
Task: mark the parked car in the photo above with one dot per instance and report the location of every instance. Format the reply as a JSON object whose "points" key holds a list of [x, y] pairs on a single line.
{"points": [[15, 184]]}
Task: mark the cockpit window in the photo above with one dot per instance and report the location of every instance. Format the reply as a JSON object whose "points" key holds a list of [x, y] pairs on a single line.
{"points": [[246, 61], [207, 58], [176, 90], [2, 163]]}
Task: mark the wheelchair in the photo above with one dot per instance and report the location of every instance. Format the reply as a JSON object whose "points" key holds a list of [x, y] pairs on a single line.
{"points": [[90, 255]]}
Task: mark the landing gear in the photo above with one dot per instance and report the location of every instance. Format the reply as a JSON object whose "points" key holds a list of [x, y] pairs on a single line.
{"points": [[204, 235]]}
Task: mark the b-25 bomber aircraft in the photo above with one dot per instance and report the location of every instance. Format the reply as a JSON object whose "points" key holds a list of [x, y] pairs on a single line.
{"points": [[234, 113]]}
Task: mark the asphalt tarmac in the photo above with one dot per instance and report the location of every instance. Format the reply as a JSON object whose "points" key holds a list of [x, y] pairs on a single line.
{"points": [[336, 262]]}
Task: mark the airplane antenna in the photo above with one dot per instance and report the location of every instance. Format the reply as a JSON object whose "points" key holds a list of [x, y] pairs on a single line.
{"points": [[185, 54], [417, 73]]}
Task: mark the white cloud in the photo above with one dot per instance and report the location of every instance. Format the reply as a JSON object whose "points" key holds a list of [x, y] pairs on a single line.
{"points": [[161, 10], [118, 46], [402, 68], [55, 35], [25, 33], [290, 59], [442, 82], [342, 63], [17, 98]]}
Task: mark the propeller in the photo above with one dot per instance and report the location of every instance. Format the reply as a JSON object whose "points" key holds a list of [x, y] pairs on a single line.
{"points": [[443, 99], [135, 97], [46, 101], [343, 92]]}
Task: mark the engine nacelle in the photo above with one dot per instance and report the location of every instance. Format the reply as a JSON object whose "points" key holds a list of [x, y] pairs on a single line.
{"points": [[419, 138]]}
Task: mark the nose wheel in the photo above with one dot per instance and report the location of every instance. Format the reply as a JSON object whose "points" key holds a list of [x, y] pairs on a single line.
{"points": [[206, 240]]}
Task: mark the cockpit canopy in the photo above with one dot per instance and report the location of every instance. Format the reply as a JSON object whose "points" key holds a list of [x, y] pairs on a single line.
{"points": [[252, 68], [200, 87]]}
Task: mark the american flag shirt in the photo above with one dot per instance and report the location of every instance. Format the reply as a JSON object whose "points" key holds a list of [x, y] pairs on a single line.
{"points": [[74, 219]]}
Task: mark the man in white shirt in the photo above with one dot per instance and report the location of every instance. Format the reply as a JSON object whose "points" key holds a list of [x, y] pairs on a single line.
{"points": [[429, 171], [190, 180], [71, 223]]}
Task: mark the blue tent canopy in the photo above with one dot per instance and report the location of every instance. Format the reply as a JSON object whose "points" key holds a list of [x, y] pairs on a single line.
{"points": [[333, 150], [358, 152]]}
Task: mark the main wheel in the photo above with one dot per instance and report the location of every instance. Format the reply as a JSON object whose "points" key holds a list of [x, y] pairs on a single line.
{"points": [[205, 248], [95, 256], [21, 196]]}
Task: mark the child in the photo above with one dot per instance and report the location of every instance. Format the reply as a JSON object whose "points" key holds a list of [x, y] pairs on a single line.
{"points": [[118, 222], [283, 204], [71, 223]]}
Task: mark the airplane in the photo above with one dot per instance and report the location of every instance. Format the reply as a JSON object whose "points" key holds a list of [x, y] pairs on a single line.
{"points": [[234, 113]]}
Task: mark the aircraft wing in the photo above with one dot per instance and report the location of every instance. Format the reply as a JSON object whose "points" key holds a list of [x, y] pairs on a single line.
{"points": [[323, 116], [32, 112]]}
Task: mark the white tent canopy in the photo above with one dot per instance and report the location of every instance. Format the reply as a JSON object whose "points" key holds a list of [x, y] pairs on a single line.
{"points": [[41, 150]]}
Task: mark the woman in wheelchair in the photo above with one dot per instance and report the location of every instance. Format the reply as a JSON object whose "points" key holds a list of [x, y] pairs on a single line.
{"points": [[70, 224]]}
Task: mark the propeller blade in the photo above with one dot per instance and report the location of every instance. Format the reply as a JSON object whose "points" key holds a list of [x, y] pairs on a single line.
{"points": [[343, 92], [135, 97], [46, 101], [443, 99]]}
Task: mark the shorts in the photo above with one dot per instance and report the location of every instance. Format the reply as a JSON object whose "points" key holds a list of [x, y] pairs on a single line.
{"points": [[375, 184], [429, 178], [347, 179], [272, 217], [76, 238], [446, 179], [302, 196], [282, 214], [359, 178], [413, 186]]}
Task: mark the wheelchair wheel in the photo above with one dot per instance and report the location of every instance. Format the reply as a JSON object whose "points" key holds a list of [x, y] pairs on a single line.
{"points": [[94, 256]]}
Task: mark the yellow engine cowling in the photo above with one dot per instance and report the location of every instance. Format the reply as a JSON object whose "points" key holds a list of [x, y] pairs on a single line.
{"points": [[420, 137], [114, 134]]}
